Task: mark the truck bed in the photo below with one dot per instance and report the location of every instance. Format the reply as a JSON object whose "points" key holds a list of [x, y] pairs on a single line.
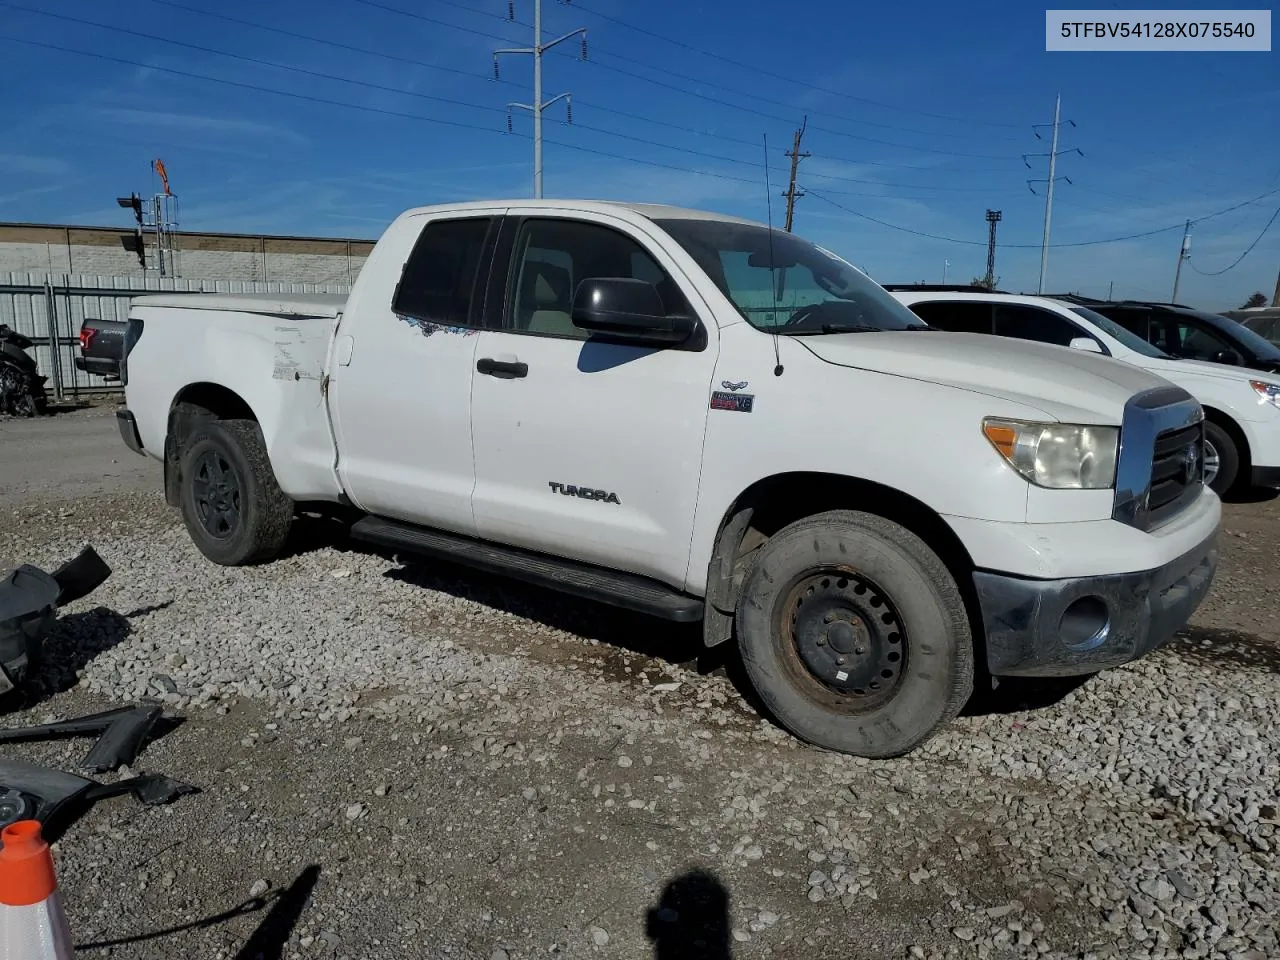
{"points": [[319, 305]]}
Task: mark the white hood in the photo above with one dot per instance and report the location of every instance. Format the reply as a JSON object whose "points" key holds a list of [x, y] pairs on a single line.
{"points": [[1069, 385]]}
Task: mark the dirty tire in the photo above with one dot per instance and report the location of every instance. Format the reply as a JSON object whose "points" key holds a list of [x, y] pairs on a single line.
{"points": [[914, 589], [1228, 458], [234, 510]]}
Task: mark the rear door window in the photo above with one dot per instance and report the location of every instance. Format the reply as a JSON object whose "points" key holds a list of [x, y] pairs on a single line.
{"points": [[442, 282], [955, 316], [1032, 323]]}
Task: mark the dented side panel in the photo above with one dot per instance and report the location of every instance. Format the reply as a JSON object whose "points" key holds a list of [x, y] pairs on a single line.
{"points": [[276, 364]]}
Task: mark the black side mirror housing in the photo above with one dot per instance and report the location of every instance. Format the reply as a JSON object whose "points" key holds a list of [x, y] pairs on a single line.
{"points": [[627, 309], [1228, 356]]}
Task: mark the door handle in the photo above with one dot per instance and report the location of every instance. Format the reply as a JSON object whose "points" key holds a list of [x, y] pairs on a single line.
{"points": [[504, 369]]}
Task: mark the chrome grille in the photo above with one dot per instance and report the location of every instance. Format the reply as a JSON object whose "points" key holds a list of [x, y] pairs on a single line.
{"points": [[1177, 470], [1153, 481]]}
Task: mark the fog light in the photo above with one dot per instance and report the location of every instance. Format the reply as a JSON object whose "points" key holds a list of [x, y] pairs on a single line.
{"points": [[1084, 624]]}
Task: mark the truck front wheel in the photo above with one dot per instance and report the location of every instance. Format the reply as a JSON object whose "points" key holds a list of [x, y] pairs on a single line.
{"points": [[234, 510], [855, 634]]}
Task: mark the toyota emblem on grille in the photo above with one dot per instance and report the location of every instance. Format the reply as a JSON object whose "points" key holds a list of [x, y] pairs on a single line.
{"points": [[1190, 464]]}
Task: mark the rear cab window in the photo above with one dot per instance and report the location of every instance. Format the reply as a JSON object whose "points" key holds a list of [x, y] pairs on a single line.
{"points": [[442, 283]]}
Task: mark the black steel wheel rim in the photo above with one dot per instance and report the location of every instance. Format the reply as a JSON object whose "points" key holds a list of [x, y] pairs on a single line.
{"points": [[842, 639], [216, 488]]}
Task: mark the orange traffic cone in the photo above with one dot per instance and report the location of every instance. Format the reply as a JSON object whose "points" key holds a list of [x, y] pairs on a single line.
{"points": [[33, 925]]}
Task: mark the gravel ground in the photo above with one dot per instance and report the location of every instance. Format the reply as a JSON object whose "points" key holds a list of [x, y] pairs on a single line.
{"points": [[410, 760]]}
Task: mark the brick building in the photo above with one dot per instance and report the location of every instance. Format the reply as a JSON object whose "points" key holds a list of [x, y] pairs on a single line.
{"points": [[101, 251]]}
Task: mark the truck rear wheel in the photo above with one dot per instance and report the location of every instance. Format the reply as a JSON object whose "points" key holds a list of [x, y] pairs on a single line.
{"points": [[234, 510], [855, 634]]}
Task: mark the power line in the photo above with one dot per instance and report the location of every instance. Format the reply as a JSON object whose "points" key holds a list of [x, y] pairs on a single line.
{"points": [[438, 23], [257, 88], [470, 74], [781, 119], [462, 103], [756, 69], [783, 103], [700, 96], [255, 60], [331, 43], [1248, 250], [1014, 246]]}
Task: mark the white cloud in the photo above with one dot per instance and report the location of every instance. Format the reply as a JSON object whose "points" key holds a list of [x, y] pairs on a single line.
{"points": [[199, 123], [21, 164]]}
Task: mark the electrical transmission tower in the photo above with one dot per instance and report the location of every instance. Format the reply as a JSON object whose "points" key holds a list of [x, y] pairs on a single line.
{"points": [[993, 217], [1053, 154], [792, 194], [538, 105]]}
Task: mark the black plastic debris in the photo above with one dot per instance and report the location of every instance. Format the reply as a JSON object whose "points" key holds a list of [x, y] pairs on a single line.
{"points": [[122, 733], [29, 791], [29, 602]]}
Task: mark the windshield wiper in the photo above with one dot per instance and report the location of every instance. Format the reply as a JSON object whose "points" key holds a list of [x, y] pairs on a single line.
{"points": [[831, 328]]}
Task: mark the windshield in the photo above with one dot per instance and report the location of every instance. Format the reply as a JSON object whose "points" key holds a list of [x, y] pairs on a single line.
{"points": [[794, 288], [1127, 338]]}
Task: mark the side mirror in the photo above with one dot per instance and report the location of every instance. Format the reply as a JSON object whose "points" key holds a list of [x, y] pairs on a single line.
{"points": [[627, 309], [1227, 356], [1087, 344]]}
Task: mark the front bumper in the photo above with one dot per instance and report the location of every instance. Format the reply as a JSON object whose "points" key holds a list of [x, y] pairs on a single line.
{"points": [[1079, 625]]}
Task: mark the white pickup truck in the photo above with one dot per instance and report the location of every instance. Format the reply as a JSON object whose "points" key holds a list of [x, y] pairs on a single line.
{"points": [[695, 417]]}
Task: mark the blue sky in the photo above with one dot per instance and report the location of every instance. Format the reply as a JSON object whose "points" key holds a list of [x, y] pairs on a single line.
{"points": [[918, 116]]}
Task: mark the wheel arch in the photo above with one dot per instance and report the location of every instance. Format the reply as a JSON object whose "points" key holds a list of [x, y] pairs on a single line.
{"points": [[772, 502], [1228, 424], [194, 404]]}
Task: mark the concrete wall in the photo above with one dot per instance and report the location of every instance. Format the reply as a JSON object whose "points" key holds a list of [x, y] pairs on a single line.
{"points": [[59, 250]]}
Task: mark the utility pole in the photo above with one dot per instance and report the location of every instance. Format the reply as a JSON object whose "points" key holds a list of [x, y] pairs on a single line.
{"points": [[1053, 167], [1184, 253], [993, 217], [1275, 297], [945, 265], [538, 105], [792, 194], [1110, 287]]}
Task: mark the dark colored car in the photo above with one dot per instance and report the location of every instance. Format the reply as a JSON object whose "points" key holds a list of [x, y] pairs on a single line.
{"points": [[1191, 334], [101, 347]]}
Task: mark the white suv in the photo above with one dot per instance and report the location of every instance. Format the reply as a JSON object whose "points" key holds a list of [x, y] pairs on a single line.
{"points": [[1242, 407]]}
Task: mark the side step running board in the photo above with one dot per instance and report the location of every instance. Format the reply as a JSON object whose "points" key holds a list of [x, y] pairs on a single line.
{"points": [[565, 576]]}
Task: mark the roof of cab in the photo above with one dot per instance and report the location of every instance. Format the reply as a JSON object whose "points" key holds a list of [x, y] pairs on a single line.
{"points": [[652, 211]]}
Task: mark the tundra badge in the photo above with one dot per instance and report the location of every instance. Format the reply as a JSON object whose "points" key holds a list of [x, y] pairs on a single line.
{"points": [[585, 493]]}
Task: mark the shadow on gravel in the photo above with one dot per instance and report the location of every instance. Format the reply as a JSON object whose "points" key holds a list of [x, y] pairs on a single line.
{"points": [[690, 921], [267, 941], [1225, 648], [74, 641], [56, 407], [674, 643], [1252, 495], [1018, 694]]}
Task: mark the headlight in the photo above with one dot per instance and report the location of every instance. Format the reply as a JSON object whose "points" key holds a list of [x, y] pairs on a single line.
{"points": [[1061, 456], [1267, 392]]}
